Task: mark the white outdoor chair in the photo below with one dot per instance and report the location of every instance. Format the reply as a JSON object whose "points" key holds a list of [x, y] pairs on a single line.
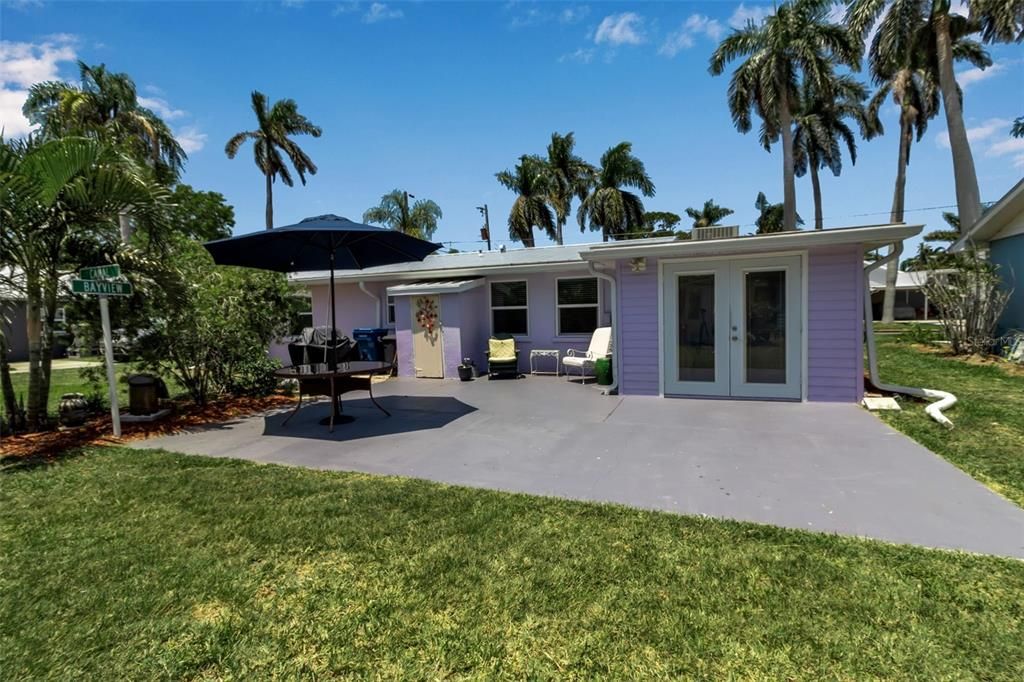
{"points": [[600, 347]]}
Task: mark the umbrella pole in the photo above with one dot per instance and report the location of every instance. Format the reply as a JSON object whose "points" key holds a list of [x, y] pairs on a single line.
{"points": [[334, 326]]}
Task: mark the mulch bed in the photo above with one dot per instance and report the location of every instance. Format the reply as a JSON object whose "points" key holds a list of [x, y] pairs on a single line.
{"points": [[185, 415]]}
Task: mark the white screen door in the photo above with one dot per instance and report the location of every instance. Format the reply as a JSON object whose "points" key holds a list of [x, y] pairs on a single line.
{"points": [[733, 328]]}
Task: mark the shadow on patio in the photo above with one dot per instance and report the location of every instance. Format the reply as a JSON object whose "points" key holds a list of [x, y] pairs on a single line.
{"points": [[408, 414]]}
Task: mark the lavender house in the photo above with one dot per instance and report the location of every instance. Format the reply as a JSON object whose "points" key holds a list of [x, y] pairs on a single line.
{"points": [[765, 316]]}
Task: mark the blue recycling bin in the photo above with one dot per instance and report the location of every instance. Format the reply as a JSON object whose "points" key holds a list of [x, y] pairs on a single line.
{"points": [[368, 341]]}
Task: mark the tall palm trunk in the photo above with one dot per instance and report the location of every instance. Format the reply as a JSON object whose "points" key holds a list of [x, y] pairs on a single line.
{"points": [[528, 240], [896, 214], [6, 385], [270, 200], [968, 197], [816, 188], [788, 173], [36, 408], [124, 222]]}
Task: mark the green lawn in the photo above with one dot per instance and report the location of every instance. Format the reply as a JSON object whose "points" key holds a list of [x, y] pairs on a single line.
{"points": [[140, 565], [988, 439], [72, 381]]}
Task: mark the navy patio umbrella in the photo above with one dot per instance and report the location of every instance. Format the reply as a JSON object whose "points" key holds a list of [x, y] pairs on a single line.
{"points": [[326, 242]]}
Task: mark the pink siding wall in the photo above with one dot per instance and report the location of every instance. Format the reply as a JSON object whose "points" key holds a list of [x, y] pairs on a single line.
{"points": [[638, 333], [835, 325], [353, 308]]}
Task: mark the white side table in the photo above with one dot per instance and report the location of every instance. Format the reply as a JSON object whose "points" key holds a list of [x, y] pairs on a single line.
{"points": [[556, 355]]}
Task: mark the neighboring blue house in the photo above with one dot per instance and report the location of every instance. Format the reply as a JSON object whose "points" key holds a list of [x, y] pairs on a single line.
{"points": [[1001, 232]]}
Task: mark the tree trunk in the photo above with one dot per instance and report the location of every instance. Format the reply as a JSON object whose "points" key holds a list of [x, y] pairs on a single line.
{"points": [[46, 361], [528, 240], [6, 385], [968, 197], [896, 214], [816, 187], [788, 175], [902, 160], [270, 201], [124, 221], [35, 408]]}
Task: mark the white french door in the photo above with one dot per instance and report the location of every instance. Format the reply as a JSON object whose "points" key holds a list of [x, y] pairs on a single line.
{"points": [[733, 328]]}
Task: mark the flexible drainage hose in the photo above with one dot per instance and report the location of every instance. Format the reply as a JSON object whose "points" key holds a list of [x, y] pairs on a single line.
{"points": [[942, 400]]}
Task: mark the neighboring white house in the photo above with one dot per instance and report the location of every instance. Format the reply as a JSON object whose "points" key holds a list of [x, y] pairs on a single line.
{"points": [[1000, 234], [911, 302]]}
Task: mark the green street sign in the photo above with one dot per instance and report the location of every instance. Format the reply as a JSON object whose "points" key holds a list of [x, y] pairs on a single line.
{"points": [[101, 272], [101, 288]]}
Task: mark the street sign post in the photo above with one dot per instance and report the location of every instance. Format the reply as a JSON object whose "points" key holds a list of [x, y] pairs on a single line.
{"points": [[99, 281]]}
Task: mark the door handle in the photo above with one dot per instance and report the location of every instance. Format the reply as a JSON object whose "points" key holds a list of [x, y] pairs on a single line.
{"points": [[735, 338]]}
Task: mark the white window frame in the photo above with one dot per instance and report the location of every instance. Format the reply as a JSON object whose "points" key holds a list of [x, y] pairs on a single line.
{"points": [[558, 307], [390, 316], [492, 307]]}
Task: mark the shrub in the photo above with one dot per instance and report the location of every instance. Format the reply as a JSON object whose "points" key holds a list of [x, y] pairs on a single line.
{"points": [[924, 334], [970, 302], [253, 376]]}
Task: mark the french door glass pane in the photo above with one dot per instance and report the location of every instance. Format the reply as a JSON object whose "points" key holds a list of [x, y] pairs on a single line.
{"points": [[696, 327], [765, 300]]}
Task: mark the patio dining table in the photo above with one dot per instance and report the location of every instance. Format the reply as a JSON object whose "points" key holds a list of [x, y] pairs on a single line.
{"points": [[321, 380]]}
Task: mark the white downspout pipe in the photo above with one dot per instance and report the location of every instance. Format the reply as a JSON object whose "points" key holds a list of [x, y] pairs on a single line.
{"points": [[608, 390], [375, 297], [942, 399]]}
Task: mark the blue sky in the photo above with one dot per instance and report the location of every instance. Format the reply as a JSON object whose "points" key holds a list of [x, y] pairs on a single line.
{"points": [[436, 97]]}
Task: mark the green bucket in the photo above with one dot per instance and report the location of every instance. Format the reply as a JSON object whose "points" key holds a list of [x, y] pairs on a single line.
{"points": [[603, 371]]}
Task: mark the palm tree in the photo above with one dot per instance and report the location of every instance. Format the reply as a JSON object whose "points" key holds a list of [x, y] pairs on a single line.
{"points": [[610, 208], [531, 182], [929, 256], [797, 38], [906, 68], [394, 211], [821, 130], [50, 192], [771, 216], [710, 214], [275, 125], [106, 105], [895, 18], [571, 177]]}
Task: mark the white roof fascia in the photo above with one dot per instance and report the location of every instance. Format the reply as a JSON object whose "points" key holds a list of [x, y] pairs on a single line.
{"points": [[993, 220], [870, 236]]}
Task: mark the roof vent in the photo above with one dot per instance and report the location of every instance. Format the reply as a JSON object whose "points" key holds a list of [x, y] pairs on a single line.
{"points": [[715, 232]]}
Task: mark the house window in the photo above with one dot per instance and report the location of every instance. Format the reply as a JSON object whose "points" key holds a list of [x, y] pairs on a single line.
{"points": [[508, 308], [577, 305], [391, 311]]}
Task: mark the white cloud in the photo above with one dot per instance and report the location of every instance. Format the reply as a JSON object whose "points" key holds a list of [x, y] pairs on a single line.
{"points": [[379, 11], [572, 15], [1009, 146], [978, 133], [22, 65], [620, 29], [676, 42], [581, 56], [191, 139], [975, 75], [685, 37], [293, 3], [345, 8], [755, 13], [23, 4], [162, 109], [530, 17]]}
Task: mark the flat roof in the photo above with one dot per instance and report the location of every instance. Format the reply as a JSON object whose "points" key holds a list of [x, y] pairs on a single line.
{"points": [[576, 256]]}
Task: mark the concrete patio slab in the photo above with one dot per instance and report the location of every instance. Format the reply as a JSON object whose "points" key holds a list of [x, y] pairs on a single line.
{"points": [[813, 466]]}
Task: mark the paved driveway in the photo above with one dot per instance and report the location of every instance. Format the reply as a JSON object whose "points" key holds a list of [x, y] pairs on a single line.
{"points": [[813, 466]]}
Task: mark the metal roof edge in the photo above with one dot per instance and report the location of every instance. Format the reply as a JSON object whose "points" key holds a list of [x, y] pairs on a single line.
{"points": [[867, 234]]}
